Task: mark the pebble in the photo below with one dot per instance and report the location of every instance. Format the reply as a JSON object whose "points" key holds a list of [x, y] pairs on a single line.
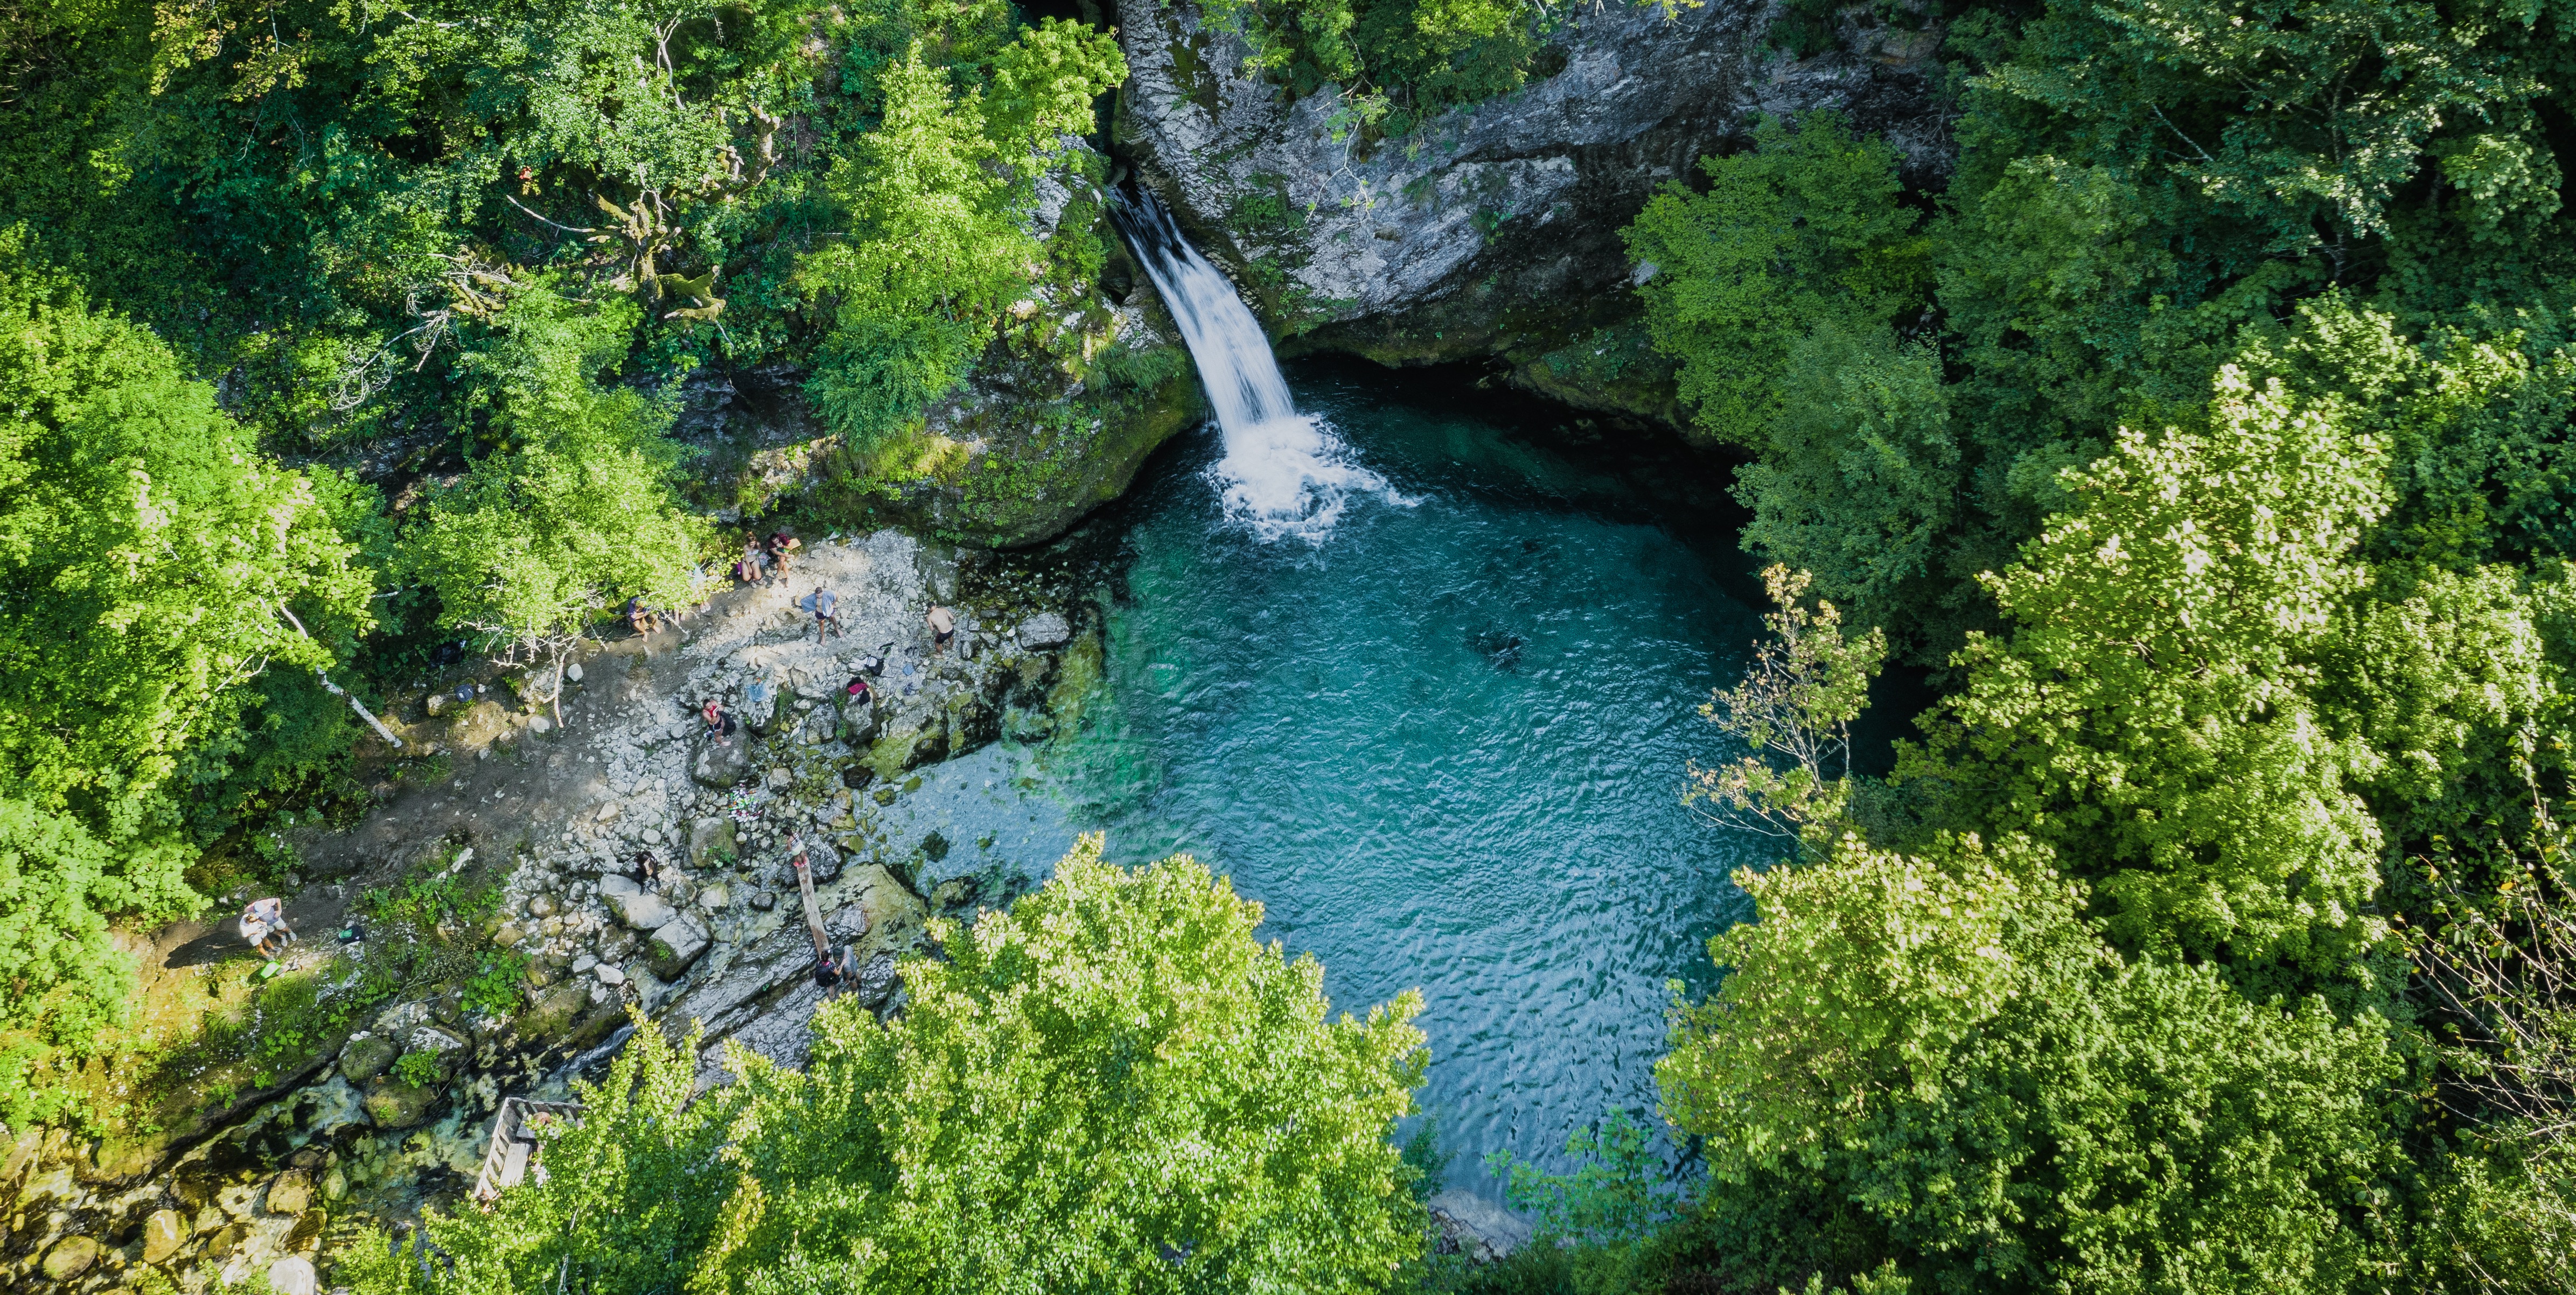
{"points": [[609, 974], [652, 836], [584, 963]]}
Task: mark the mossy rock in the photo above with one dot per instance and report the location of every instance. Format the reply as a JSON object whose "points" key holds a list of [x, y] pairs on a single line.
{"points": [[366, 1058], [554, 1013], [400, 1106]]}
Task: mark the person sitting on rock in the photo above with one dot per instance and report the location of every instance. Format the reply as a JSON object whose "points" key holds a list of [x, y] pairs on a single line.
{"points": [[754, 567], [720, 724], [641, 617], [780, 545], [943, 626], [827, 613], [648, 870], [263, 926]]}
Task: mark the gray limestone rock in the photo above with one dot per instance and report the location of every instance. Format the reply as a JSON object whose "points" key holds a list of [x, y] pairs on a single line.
{"points": [[1492, 229], [677, 945], [640, 910], [877, 981], [1045, 630], [712, 842], [722, 764]]}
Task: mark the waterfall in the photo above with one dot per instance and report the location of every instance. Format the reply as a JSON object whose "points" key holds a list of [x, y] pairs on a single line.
{"points": [[1283, 473]]}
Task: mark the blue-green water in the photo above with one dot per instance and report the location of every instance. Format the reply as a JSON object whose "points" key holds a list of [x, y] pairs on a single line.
{"points": [[1442, 742]]}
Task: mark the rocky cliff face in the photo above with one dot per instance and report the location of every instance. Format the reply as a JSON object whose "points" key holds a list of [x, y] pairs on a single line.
{"points": [[1491, 231]]}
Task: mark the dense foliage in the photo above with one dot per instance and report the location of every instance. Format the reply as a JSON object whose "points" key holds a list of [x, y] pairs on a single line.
{"points": [[2204, 437], [337, 332], [1111, 1086]]}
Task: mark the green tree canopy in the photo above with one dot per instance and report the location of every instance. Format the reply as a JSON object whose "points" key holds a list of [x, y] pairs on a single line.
{"points": [[1110, 1086], [148, 555]]}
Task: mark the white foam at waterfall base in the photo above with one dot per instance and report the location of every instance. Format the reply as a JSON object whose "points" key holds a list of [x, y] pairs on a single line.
{"points": [[1283, 474]]}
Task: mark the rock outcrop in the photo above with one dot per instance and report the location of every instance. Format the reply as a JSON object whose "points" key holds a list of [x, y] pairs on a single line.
{"points": [[1490, 231]]}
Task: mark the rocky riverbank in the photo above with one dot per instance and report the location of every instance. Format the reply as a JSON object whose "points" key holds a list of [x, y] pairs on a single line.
{"points": [[541, 821]]}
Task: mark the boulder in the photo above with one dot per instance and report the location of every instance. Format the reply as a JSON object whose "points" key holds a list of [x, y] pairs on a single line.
{"points": [[759, 707], [366, 1057], [676, 946], [721, 764], [859, 722], [395, 1105], [823, 861], [163, 1234], [1045, 630], [640, 910], [448, 1048], [292, 1275], [915, 737], [307, 1232], [712, 843], [292, 1193], [609, 974], [764, 901], [553, 1013], [877, 981], [973, 724], [70, 1257]]}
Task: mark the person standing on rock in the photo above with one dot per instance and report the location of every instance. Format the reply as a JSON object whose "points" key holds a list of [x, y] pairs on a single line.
{"points": [[833, 975], [943, 626], [263, 926], [827, 613], [719, 722]]}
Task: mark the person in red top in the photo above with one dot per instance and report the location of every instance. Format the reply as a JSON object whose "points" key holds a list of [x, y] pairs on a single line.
{"points": [[720, 723]]}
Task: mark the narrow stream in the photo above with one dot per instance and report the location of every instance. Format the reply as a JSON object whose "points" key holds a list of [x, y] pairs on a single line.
{"points": [[1438, 731]]}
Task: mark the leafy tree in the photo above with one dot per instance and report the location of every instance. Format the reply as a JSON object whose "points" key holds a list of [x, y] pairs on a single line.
{"points": [[536, 540], [1801, 230], [1860, 479], [2152, 716], [1110, 1086], [1940, 1041], [150, 558], [1795, 706], [935, 197]]}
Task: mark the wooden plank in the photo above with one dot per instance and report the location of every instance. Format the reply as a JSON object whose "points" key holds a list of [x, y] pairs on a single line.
{"points": [[813, 911]]}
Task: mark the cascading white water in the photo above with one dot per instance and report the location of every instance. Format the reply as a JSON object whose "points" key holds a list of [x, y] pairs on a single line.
{"points": [[1284, 473]]}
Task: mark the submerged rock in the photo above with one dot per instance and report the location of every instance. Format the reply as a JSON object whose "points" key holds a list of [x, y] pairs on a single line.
{"points": [[292, 1193], [394, 1105], [163, 1234], [71, 1257]]}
